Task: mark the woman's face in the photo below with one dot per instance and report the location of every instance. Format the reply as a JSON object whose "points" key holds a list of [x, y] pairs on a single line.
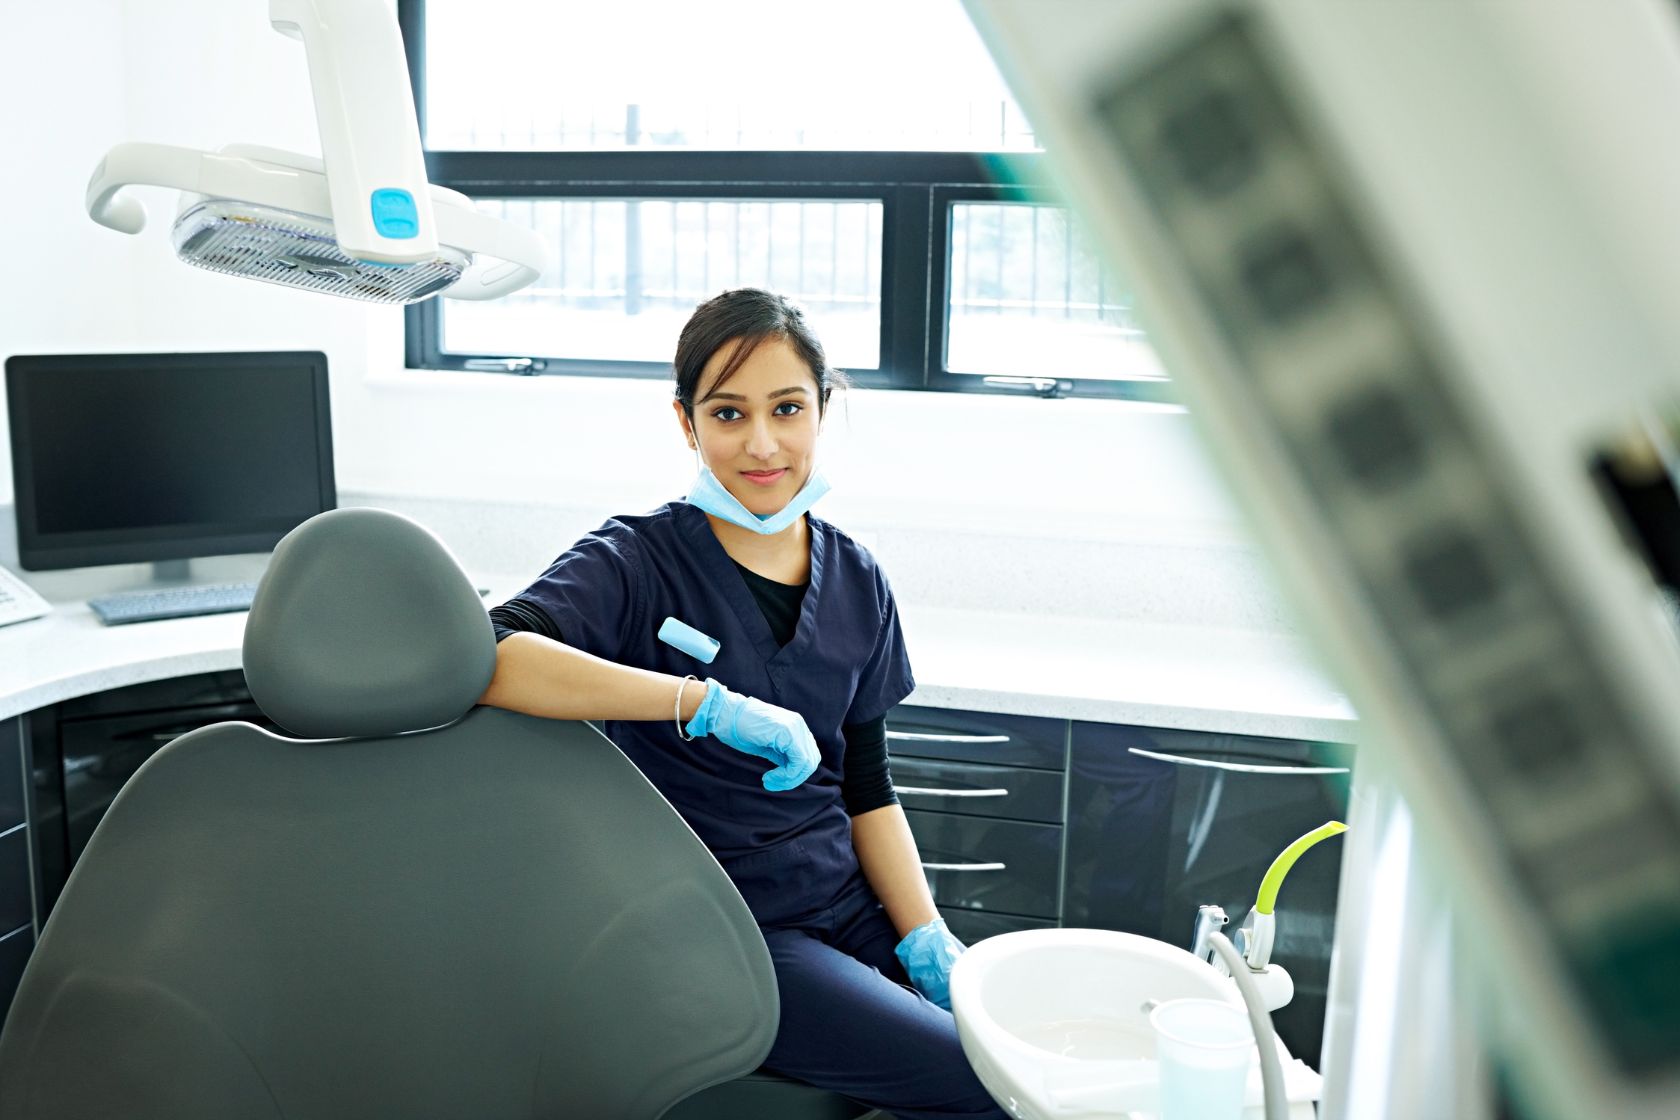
{"points": [[758, 431]]}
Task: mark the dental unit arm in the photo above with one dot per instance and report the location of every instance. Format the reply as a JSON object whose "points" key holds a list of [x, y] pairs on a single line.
{"points": [[1255, 936], [361, 222]]}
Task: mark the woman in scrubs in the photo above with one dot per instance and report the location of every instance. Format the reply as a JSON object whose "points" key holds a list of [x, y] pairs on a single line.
{"points": [[774, 748]]}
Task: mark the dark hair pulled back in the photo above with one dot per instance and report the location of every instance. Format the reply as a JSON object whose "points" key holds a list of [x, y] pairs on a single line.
{"points": [[751, 315]]}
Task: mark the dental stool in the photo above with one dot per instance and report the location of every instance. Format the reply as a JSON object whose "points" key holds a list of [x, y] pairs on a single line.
{"points": [[417, 909]]}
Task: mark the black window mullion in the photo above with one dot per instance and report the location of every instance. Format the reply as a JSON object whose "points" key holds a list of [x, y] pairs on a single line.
{"points": [[411, 22], [797, 173], [939, 286], [906, 311]]}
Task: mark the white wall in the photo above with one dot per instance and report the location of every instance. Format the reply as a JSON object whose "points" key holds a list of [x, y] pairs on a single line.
{"points": [[80, 76], [65, 283], [76, 78]]}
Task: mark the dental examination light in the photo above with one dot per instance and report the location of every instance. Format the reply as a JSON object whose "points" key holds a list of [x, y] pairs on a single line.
{"points": [[362, 222], [1412, 267]]}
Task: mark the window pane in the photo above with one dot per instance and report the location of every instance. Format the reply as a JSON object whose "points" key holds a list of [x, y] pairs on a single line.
{"points": [[624, 275], [1028, 298], [888, 75]]}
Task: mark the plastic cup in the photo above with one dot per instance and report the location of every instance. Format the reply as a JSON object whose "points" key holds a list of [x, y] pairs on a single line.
{"points": [[1203, 1048]]}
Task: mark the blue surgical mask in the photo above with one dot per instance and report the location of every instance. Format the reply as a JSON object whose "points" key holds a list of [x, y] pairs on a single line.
{"points": [[709, 494]]}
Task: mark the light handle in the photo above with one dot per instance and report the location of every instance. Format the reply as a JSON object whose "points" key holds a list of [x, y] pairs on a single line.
{"points": [[154, 165]]}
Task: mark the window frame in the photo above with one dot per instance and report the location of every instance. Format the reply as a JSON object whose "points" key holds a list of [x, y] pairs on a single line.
{"points": [[916, 191]]}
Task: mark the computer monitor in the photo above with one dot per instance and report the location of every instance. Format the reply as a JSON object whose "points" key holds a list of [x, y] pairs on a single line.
{"points": [[120, 458]]}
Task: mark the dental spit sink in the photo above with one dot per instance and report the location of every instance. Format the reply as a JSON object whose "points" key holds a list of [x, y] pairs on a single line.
{"points": [[1053, 1021]]}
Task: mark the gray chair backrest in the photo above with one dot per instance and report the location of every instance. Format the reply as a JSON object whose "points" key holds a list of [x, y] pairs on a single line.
{"points": [[495, 918]]}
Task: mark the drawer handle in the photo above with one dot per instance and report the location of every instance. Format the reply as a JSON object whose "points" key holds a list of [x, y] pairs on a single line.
{"points": [[1237, 767], [927, 792], [928, 737], [962, 867]]}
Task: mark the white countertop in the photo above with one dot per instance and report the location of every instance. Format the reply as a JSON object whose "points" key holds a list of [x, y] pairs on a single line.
{"points": [[71, 653], [1118, 671], [1027, 664]]}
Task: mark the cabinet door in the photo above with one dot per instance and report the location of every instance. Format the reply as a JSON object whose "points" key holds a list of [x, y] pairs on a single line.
{"points": [[100, 755], [17, 893], [977, 925], [16, 903], [1163, 821], [12, 809]]}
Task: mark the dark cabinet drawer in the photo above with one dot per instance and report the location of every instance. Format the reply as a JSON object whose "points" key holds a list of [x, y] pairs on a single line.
{"points": [[977, 925], [15, 948], [977, 737], [977, 789], [975, 863], [197, 691], [16, 908]]}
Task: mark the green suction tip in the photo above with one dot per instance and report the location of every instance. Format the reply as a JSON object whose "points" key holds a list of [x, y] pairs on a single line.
{"points": [[1286, 859]]}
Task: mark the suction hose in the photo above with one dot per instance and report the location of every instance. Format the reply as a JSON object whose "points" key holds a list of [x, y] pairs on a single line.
{"points": [[1271, 1070]]}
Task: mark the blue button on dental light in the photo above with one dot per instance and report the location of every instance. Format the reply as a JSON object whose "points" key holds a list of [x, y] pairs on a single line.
{"points": [[394, 214], [680, 635]]}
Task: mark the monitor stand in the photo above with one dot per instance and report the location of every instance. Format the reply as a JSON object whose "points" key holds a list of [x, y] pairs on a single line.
{"points": [[171, 571]]}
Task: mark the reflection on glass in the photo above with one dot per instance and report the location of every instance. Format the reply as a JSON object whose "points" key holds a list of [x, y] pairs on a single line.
{"points": [[1028, 298], [624, 275], [726, 74]]}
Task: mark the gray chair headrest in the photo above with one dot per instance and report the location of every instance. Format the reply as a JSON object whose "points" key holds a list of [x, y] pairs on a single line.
{"points": [[364, 625]]}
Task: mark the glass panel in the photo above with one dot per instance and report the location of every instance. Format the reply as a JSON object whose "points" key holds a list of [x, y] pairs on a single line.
{"points": [[884, 75], [624, 275], [1028, 298]]}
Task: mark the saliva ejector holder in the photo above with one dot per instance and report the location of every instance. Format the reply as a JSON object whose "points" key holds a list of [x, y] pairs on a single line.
{"points": [[363, 221], [1253, 939]]}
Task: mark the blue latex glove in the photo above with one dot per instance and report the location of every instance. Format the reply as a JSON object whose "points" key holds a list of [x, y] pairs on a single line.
{"points": [[760, 729], [927, 953]]}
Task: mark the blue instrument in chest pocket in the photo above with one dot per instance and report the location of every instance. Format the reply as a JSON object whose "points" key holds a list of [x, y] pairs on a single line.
{"points": [[680, 635]]}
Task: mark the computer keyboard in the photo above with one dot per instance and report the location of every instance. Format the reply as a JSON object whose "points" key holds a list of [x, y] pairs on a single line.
{"points": [[18, 601], [172, 602]]}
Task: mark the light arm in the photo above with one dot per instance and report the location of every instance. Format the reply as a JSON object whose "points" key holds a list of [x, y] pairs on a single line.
{"points": [[364, 109]]}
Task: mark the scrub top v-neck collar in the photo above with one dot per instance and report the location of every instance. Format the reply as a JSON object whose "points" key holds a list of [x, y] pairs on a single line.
{"points": [[721, 568]]}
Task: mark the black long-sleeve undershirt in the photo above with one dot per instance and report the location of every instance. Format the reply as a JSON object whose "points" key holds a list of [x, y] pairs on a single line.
{"points": [[867, 782]]}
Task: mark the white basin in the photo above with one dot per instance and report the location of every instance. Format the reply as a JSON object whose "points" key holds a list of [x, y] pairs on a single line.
{"points": [[1053, 1020]]}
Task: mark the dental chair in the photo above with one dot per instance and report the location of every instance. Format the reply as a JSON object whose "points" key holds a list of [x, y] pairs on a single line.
{"points": [[417, 909]]}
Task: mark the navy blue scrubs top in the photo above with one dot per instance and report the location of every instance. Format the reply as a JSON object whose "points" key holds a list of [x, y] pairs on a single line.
{"points": [[789, 852]]}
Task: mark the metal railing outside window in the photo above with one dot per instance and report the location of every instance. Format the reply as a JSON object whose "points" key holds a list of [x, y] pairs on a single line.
{"points": [[625, 274]]}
